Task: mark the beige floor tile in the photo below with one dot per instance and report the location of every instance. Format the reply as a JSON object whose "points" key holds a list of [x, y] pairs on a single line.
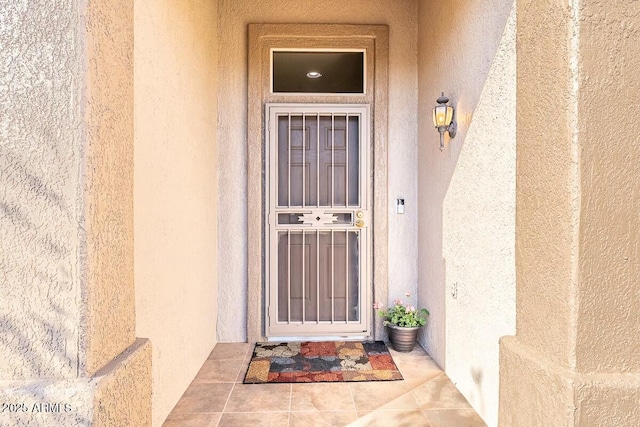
{"points": [[243, 369], [203, 398], [259, 397], [454, 417], [322, 418], [322, 397], [440, 393], [395, 418], [406, 401], [416, 352], [255, 419], [415, 365], [218, 371], [419, 381], [230, 351], [369, 396], [425, 398], [418, 368], [193, 420], [415, 357]]}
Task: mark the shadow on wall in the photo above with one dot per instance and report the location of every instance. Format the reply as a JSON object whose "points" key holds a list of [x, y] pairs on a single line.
{"points": [[38, 256], [449, 69], [447, 62], [38, 342], [37, 358], [477, 376], [468, 209]]}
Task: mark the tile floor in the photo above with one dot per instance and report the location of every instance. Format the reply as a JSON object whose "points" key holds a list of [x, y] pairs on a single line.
{"points": [[217, 397]]}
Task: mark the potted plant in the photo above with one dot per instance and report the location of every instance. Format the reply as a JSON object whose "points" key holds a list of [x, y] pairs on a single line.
{"points": [[403, 323]]}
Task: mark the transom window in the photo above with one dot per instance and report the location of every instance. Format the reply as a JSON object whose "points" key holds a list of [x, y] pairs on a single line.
{"points": [[317, 71]]}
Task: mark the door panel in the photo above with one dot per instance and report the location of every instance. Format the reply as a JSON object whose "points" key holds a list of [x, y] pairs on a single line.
{"points": [[319, 160], [318, 281]]}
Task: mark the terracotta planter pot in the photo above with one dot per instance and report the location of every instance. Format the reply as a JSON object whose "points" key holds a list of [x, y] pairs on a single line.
{"points": [[403, 339]]}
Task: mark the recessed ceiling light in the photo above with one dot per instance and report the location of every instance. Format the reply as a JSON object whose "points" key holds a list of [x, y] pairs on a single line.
{"points": [[313, 74]]}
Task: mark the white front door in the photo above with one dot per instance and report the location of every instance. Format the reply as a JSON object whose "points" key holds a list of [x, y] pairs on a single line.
{"points": [[318, 255]]}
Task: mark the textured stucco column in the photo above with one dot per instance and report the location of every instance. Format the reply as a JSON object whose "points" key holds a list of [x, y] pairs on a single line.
{"points": [[574, 360], [67, 320]]}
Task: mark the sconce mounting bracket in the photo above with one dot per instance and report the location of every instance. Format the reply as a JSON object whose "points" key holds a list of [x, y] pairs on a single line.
{"points": [[453, 128]]}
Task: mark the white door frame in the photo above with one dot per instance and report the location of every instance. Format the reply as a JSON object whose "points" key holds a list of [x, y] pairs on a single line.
{"points": [[359, 222], [374, 39]]}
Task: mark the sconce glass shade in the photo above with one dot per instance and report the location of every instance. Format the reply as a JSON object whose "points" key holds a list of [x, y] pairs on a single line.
{"points": [[442, 113]]}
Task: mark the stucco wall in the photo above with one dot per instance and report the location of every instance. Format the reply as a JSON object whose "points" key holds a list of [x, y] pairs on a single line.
{"points": [[122, 389], [233, 17], [119, 394], [607, 319], [175, 190], [66, 244], [108, 182], [577, 222], [585, 239], [66, 174], [41, 148], [467, 204], [536, 391], [547, 212]]}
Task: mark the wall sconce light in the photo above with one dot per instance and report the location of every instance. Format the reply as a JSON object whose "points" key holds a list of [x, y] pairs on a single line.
{"points": [[443, 119]]}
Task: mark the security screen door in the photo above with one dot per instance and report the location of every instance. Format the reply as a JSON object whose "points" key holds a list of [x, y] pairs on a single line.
{"points": [[317, 256]]}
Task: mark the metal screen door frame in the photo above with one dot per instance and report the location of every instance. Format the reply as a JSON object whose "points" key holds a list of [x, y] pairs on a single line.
{"points": [[326, 221]]}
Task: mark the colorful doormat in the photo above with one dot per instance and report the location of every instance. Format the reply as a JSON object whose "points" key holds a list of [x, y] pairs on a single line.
{"points": [[327, 361]]}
